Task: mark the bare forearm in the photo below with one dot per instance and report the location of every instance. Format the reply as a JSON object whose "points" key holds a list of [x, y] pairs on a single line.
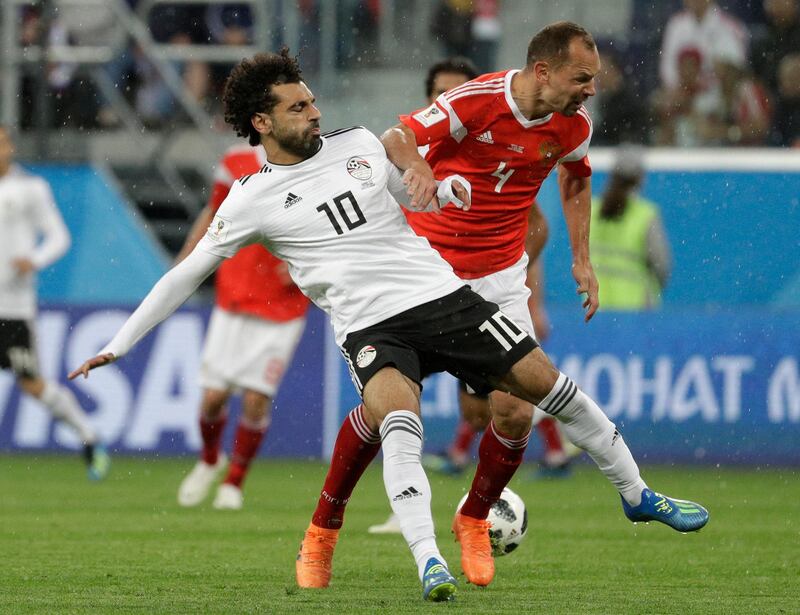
{"points": [[576, 200], [196, 233], [538, 231], [401, 147]]}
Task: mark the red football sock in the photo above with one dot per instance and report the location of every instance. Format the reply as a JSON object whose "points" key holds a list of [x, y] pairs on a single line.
{"points": [[245, 447], [551, 438], [462, 443], [498, 459], [356, 446], [211, 433]]}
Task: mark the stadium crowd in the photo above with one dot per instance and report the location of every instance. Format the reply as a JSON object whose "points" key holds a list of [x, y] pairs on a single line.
{"points": [[689, 73]]}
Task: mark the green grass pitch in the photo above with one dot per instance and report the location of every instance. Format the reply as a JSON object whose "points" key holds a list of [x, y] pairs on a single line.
{"points": [[124, 545]]}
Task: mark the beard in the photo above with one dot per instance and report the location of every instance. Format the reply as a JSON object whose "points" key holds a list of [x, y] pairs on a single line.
{"points": [[304, 144]]}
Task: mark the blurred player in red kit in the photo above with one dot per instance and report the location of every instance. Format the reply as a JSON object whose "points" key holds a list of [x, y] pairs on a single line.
{"points": [[254, 329]]}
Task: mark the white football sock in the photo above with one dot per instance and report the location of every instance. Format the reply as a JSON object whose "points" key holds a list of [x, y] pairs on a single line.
{"points": [[63, 405], [588, 427], [407, 486]]}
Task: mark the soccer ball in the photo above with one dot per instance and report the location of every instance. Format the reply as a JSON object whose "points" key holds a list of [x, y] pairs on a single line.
{"points": [[509, 519]]}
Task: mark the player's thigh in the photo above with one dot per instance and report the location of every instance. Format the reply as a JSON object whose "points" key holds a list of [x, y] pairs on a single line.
{"points": [[389, 390], [385, 370], [531, 378]]}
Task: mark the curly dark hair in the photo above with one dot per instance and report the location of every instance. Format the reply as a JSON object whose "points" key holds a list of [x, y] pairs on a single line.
{"points": [[248, 89], [456, 65]]}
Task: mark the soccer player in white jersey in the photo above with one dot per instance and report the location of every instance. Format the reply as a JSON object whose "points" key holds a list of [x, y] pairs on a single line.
{"points": [[32, 237], [397, 309]]}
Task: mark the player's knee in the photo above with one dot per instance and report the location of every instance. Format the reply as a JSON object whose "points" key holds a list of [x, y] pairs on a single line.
{"points": [[475, 410], [256, 406], [32, 386], [510, 414], [213, 403]]}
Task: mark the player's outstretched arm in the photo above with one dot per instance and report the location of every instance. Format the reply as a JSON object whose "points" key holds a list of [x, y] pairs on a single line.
{"points": [[172, 290], [576, 201], [401, 149]]}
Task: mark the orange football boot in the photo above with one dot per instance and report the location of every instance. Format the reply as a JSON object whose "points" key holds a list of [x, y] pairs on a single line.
{"points": [[476, 550], [315, 559]]}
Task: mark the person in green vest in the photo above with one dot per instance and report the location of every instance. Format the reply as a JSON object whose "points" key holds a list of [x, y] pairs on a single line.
{"points": [[630, 250]]}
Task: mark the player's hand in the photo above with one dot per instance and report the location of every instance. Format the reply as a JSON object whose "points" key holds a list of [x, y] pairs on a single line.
{"points": [[587, 285], [421, 187], [98, 361], [23, 265], [462, 194]]}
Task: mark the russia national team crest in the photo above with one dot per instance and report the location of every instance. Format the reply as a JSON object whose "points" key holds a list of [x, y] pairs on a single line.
{"points": [[359, 168], [365, 356]]}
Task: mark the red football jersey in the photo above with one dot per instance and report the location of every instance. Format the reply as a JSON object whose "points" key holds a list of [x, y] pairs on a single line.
{"points": [[253, 281], [477, 131]]}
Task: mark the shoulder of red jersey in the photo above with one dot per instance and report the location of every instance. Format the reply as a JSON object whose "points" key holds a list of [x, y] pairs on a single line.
{"points": [[237, 161], [576, 134]]}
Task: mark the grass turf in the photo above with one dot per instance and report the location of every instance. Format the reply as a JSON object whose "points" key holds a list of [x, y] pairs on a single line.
{"points": [[124, 545]]}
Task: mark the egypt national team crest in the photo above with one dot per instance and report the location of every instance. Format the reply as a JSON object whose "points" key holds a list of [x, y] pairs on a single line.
{"points": [[365, 356], [359, 168]]}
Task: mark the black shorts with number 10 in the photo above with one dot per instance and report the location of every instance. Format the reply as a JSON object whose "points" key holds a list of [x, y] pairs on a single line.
{"points": [[460, 333]]}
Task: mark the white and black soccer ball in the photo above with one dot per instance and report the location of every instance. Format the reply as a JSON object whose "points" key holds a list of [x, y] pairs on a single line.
{"points": [[509, 519]]}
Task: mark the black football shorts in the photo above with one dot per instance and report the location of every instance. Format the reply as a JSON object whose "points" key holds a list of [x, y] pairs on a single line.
{"points": [[17, 351], [460, 333]]}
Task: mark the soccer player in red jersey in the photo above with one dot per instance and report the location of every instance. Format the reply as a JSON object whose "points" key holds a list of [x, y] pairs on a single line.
{"points": [[505, 132], [254, 329]]}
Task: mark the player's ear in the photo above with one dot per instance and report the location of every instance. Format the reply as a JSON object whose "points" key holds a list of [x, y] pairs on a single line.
{"points": [[262, 122], [542, 71]]}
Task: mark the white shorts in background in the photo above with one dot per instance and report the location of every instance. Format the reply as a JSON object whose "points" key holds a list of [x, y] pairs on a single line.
{"points": [[247, 352], [508, 289]]}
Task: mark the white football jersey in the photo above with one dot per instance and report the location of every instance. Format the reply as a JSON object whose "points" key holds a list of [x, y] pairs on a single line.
{"points": [[30, 227], [332, 219]]}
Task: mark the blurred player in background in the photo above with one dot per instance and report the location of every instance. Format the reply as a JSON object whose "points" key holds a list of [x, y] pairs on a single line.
{"points": [[254, 330], [32, 237], [630, 249]]}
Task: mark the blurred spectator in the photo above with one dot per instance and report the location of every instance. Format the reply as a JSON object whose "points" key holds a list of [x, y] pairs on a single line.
{"points": [[619, 113], [786, 123], [469, 28], [680, 107], [448, 74], [452, 26], [229, 24], [717, 37], [707, 96], [629, 247], [73, 99], [486, 31], [777, 39]]}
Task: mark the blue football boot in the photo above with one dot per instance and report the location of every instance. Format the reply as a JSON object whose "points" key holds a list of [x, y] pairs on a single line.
{"points": [[680, 515], [438, 585]]}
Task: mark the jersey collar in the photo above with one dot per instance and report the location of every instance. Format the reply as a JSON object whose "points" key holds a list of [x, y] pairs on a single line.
{"points": [[525, 122]]}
